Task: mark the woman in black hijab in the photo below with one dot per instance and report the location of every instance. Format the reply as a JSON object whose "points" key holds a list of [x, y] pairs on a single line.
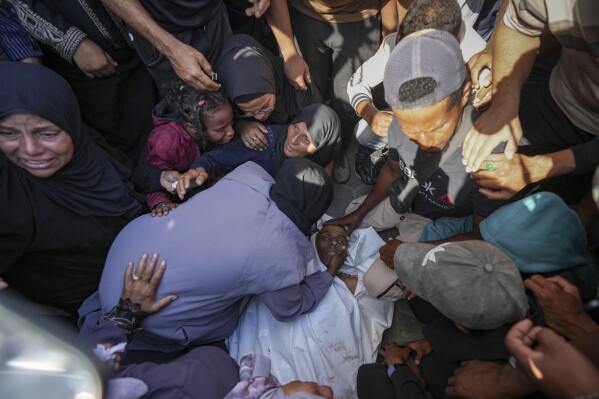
{"points": [[63, 198], [313, 133], [255, 80], [302, 191]]}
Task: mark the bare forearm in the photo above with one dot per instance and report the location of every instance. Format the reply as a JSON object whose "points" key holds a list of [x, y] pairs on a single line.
{"points": [[136, 16], [380, 190], [513, 56], [544, 166], [389, 16], [277, 16], [367, 111]]}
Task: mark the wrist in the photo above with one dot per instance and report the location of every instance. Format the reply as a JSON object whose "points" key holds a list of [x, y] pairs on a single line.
{"points": [[367, 111], [128, 316], [582, 326]]}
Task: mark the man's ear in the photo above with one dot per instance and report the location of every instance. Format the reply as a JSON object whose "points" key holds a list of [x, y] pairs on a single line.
{"points": [[466, 93]]}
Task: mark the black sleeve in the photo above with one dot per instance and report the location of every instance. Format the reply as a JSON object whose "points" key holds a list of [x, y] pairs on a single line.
{"points": [[146, 178], [49, 27], [405, 384]]}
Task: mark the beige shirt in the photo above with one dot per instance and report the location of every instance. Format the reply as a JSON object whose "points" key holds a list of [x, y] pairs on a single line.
{"points": [[337, 11], [574, 82]]}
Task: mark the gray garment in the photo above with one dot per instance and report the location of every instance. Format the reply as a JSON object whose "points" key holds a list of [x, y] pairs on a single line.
{"points": [[449, 191], [208, 39], [335, 50]]}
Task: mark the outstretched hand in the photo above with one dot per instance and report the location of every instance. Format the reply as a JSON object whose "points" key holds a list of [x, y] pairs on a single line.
{"points": [[192, 67], [351, 220], [387, 252], [492, 128], [140, 285], [191, 179]]}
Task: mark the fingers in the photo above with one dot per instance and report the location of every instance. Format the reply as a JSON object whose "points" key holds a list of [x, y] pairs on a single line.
{"points": [[510, 149], [564, 285], [299, 83], [536, 284], [261, 141], [185, 182], [259, 8], [128, 277], [482, 98], [307, 76], [156, 277], [148, 272], [202, 176], [141, 265], [163, 303]]}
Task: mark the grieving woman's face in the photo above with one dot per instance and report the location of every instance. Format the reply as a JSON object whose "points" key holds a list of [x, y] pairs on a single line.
{"points": [[35, 144], [259, 108], [298, 142], [329, 241]]}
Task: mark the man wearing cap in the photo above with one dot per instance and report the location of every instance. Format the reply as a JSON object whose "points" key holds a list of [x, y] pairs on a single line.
{"points": [[461, 324], [427, 85]]}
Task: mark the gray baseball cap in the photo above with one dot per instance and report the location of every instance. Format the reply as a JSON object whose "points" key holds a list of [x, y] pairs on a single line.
{"points": [[472, 283], [426, 53]]}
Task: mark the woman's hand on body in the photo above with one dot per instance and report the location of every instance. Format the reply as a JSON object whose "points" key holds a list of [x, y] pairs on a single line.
{"points": [[252, 134], [164, 208], [141, 284]]}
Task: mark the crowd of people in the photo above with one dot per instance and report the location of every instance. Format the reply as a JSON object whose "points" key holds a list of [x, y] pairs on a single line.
{"points": [[166, 169]]}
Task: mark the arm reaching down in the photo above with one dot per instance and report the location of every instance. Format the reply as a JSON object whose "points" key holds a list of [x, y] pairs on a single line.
{"points": [[287, 304]]}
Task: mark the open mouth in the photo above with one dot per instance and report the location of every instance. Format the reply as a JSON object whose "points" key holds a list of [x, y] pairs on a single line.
{"points": [[36, 164]]}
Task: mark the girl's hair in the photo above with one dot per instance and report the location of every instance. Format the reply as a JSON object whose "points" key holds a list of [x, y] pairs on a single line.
{"points": [[189, 104]]}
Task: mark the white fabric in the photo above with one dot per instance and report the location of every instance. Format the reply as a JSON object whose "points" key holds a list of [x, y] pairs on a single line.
{"points": [[330, 343], [372, 72]]}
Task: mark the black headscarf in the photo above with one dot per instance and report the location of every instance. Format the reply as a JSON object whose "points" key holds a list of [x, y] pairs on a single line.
{"points": [[248, 70], [92, 183], [303, 191], [324, 131]]}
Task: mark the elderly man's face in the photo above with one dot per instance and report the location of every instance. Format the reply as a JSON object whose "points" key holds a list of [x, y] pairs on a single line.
{"points": [[329, 240]]}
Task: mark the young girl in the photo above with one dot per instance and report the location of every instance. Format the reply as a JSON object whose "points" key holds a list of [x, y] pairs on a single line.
{"points": [[313, 133], [187, 123]]}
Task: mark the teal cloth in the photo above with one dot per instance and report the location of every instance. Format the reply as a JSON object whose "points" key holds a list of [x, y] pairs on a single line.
{"points": [[542, 234], [443, 228]]}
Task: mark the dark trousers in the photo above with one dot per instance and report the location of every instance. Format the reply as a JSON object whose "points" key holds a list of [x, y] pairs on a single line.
{"points": [[207, 39], [374, 383], [335, 50], [119, 107]]}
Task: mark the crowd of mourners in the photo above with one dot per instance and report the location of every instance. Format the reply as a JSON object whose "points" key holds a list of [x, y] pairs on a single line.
{"points": [[166, 170]]}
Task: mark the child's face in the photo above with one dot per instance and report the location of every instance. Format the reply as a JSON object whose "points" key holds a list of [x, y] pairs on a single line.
{"points": [[298, 143], [219, 125]]}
